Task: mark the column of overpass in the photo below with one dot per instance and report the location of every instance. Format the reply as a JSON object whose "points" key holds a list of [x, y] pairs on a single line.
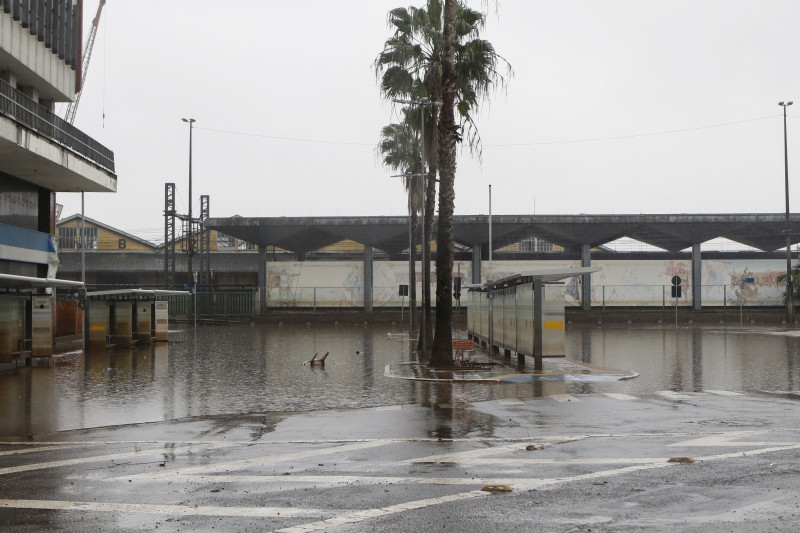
{"points": [[697, 278], [368, 278], [586, 261], [262, 280], [476, 264]]}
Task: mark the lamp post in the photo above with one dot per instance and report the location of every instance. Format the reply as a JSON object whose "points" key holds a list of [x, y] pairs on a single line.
{"points": [[190, 236], [424, 318], [411, 281], [789, 284]]}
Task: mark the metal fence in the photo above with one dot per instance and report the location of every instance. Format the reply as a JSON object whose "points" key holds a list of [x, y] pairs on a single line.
{"points": [[32, 114], [214, 305], [661, 296], [602, 296]]}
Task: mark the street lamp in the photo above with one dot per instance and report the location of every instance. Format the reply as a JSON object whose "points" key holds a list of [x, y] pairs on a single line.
{"points": [[789, 284], [424, 319], [411, 281], [190, 236]]}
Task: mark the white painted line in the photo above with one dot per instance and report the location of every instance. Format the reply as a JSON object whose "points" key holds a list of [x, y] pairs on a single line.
{"points": [[671, 395], [34, 450], [321, 480], [109, 457], [724, 392], [389, 408], [271, 460], [185, 510], [620, 396], [564, 398], [510, 401], [549, 461], [728, 439], [360, 516], [476, 456]]}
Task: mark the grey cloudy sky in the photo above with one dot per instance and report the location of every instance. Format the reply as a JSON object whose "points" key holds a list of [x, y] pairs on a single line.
{"points": [[616, 106]]}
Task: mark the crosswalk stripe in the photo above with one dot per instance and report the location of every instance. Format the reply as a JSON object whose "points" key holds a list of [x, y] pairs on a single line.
{"points": [[671, 395], [620, 396]]}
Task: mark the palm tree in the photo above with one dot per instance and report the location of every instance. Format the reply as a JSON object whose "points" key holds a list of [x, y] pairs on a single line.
{"points": [[781, 278], [399, 148], [411, 66]]}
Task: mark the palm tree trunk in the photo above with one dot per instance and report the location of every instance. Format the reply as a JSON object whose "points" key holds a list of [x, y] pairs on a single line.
{"points": [[442, 352], [432, 154]]}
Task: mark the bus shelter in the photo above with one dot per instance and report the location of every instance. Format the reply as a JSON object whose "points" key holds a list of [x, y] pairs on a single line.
{"points": [[522, 313]]}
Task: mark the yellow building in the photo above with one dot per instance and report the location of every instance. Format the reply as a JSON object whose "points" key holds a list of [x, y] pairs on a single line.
{"points": [[98, 236]]}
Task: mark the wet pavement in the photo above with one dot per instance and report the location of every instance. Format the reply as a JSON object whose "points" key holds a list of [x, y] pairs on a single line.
{"points": [[226, 430]]}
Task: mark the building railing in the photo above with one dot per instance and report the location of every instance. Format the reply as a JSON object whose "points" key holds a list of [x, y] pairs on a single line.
{"points": [[24, 109]]}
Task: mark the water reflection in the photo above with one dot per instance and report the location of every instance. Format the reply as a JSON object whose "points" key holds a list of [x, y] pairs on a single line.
{"points": [[213, 370]]}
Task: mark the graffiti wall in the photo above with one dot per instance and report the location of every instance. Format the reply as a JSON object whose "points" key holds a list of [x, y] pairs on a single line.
{"points": [[620, 282]]}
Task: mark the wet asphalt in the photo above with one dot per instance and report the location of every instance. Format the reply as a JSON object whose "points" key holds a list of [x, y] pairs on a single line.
{"points": [[572, 463], [563, 458]]}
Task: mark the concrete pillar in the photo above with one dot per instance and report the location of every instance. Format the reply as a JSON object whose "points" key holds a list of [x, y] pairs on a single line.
{"points": [[538, 323], [97, 319], [586, 294], [368, 278], [697, 278], [476, 264], [162, 321], [262, 280], [144, 322], [123, 324]]}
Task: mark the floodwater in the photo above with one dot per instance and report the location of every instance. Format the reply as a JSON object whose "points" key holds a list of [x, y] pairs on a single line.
{"points": [[215, 370]]}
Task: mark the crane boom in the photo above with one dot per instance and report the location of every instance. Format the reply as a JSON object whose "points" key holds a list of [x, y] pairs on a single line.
{"points": [[72, 107]]}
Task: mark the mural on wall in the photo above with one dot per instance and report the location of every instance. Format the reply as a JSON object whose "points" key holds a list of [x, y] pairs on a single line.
{"points": [[747, 282], [620, 282]]}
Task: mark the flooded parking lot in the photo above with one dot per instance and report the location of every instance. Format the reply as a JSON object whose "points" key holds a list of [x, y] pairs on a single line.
{"points": [[225, 429], [216, 370]]}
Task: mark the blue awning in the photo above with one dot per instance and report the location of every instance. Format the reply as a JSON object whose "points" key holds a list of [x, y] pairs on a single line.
{"points": [[20, 244]]}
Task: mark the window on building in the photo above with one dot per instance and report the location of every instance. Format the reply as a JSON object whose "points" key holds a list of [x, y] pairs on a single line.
{"points": [[535, 244], [122, 244], [68, 238], [225, 242]]}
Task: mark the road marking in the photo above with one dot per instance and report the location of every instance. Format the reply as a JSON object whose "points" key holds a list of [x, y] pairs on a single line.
{"points": [[186, 510], [510, 401], [360, 516], [727, 439], [271, 460], [316, 480], [108, 457], [530, 484], [620, 396], [389, 408], [671, 395], [564, 398], [34, 450], [724, 392], [550, 461], [477, 456]]}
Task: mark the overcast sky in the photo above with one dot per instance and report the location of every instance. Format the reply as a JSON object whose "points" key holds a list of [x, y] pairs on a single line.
{"points": [[615, 106]]}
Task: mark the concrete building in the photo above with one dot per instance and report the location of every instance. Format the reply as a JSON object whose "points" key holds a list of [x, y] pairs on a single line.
{"points": [[40, 155]]}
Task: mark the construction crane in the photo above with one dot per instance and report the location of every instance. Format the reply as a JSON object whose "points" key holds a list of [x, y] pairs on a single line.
{"points": [[72, 107]]}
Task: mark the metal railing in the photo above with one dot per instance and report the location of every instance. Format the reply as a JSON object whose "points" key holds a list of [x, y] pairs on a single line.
{"points": [[214, 305], [24, 109]]}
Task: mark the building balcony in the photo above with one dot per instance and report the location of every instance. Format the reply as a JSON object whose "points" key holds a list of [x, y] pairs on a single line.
{"points": [[42, 148]]}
